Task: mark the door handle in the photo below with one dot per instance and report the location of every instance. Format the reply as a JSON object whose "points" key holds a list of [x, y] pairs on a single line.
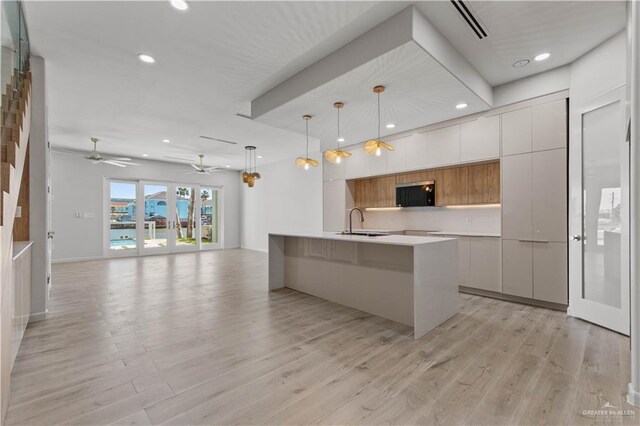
{"points": [[51, 234], [576, 238]]}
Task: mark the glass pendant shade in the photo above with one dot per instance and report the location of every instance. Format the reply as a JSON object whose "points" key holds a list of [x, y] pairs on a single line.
{"points": [[305, 162], [375, 146], [250, 175]]}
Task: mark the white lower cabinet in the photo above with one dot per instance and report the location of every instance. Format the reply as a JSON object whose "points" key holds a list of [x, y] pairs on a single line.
{"points": [[479, 262], [334, 205], [550, 272], [517, 268], [484, 263]]}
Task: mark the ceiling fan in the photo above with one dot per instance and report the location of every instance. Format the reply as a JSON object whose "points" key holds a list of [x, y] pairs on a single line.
{"points": [[200, 168], [95, 157]]}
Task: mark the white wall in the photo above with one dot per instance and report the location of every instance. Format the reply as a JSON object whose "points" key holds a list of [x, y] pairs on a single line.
{"points": [[77, 186], [286, 199], [541, 84], [467, 219], [38, 166]]}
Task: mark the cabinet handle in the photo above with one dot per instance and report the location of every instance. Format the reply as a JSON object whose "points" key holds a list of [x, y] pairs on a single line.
{"points": [[576, 238]]}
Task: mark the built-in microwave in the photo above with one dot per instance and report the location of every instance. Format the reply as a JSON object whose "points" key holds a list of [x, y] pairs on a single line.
{"points": [[418, 194]]}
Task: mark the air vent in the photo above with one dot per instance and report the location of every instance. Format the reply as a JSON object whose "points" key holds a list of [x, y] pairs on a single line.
{"points": [[219, 140], [472, 21]]}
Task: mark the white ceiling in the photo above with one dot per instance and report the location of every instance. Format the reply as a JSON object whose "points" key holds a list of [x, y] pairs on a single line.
{"points": [[522, 29], [418, 92], [215, 58]]}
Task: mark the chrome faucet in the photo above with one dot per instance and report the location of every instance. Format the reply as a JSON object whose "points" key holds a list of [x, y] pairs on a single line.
{"points": [[351, 216]]}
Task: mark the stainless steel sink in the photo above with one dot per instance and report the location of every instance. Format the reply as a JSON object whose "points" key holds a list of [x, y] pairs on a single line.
{"points": [[364, 234]]}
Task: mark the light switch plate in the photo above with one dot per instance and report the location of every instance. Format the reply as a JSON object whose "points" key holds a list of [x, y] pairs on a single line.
{"points": [[19, 211]]}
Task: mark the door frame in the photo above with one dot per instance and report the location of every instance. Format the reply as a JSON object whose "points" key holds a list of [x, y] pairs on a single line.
{"points": [[171, 247], [600, 314]]}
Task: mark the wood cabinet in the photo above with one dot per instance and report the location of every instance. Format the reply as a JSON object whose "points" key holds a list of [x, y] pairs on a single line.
{"points": [[443, 146], [458, 185], [376, 192], [516, 131], [480, 139], [483, 183], [452, 186]]}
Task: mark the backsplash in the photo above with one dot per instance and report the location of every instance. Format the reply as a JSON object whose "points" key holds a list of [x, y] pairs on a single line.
{"points": [[467, 219]]}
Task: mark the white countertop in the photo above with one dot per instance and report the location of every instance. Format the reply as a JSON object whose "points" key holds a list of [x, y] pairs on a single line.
{"points": [[394, 240], [467, 234]]}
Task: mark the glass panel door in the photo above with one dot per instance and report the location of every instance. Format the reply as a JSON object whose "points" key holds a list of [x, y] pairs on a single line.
{"points": [[122, 232], [209, 218], [154, 217], [599, 290], [184, 217]]}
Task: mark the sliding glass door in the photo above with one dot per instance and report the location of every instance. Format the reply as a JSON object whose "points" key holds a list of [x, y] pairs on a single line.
{"points": [[148, 217], [209, 221]]}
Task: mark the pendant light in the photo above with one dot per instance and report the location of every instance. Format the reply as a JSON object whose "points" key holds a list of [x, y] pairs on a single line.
{"points": [[306, 162], [375, 146], [335, 156], [250, 175]]}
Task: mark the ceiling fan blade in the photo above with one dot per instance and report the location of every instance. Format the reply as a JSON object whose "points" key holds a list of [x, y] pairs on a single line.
{"points": [[219, 140], [68, 152], [120, 159], [195, 166], [211, 168], [112, 163]]}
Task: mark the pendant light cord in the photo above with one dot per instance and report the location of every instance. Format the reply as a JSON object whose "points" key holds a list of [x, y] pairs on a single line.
{"points": [[306, 122], [378, 117], [338, 127]]}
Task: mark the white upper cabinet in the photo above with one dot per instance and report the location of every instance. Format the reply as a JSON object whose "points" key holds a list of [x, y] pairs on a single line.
{"points": [[443, 146], [374, 165], [332, 171], [550, 125], [417, 152], [354, 165], [516, 132], [480, 139], [397, 159]]}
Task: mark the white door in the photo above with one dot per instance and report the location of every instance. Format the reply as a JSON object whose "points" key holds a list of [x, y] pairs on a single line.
{"points": [[599, 215]]}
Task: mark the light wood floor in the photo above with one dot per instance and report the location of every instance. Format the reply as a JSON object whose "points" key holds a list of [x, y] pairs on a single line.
{"points": [[197, 339]]}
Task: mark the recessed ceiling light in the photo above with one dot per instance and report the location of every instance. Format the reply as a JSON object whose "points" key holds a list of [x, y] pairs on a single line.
{"points": [[391, 126], [340, 139], [166, 140], [542, 56], [521, 63], [461, 106], [180, 4], [145, 155], [227, 166], [147, 58], [259, 156]]}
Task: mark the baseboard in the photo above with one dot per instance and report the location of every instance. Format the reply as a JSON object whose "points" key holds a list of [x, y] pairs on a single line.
{"points": [[38, 316], [633, 396], [254, 249], [516, 299], [78, 259]]}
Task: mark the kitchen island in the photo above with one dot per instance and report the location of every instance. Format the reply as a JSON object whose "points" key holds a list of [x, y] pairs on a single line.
{"points": [[409, 279]]}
